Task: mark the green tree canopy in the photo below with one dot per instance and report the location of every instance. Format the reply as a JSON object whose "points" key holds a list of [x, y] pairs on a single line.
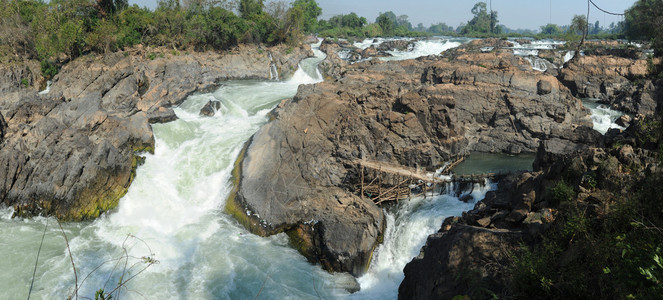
{"points": [[644, 21], [550, 29], [482, 22], [311, 12], [249, 9]]}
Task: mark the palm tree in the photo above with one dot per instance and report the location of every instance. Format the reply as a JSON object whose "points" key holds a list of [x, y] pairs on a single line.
{"points": [[579, 24]]}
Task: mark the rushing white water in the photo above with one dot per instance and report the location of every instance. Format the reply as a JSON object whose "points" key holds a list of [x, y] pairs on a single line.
{"points": [[538, 64], [568, 56], [173, 212], [526, 52], [423, 48], [602, 116], [47, 89], [408, 226], [273, 72], [540, 44]]}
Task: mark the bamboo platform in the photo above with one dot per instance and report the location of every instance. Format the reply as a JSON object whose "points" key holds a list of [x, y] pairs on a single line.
{"points": [[384, 182]]}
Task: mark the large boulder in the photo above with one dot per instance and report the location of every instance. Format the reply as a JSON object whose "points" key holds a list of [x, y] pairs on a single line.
{"points": [[450, 256], [72, 153]]}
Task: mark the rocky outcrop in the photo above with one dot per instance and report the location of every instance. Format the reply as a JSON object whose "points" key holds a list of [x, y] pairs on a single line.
{"points": [[470, 255], [298, 173], [72, 152], [392, 45], [611, 75], [210, 108], [449, 258], [17, 76]]}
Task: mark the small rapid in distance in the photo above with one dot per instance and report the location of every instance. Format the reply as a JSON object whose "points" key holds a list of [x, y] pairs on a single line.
{"points": [[432, 46], [602, 116]]}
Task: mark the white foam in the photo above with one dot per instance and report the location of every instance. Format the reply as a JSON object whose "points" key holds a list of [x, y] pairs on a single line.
{"points": [[406, 232], [603, 117], [422, 48], [47, 89]]}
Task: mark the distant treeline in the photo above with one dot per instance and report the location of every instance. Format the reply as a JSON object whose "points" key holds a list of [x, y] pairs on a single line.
{"points": [[64, 29], [484, 23]]}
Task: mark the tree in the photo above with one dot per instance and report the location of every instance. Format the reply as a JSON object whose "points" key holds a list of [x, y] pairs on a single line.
{"points": [[597, 28], [644, 21], [249, 9], [352, 20], [110, 7], [311, 12], [402, 20], [387, 22], [482, 22], [579, 25], [440, 28], [550, 29]]}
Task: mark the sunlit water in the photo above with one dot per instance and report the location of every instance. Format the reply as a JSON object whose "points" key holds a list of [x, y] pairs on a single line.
{"points": [[603, 117], [173, 217], [431, 46]]}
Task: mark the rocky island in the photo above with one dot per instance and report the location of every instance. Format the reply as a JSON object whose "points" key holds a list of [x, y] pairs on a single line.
{"points": [[241, 127]]}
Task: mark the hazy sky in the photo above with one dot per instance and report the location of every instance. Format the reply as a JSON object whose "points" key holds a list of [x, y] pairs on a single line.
{"points": [[525, 14]]}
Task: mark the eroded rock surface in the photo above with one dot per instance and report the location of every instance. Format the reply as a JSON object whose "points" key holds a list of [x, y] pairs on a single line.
{"points": [[299, 172], [72, 152], [618, 77]]}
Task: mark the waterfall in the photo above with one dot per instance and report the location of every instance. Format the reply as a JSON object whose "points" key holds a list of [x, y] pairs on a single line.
{"points": [[47, 89], [603, 118], [538, 64], [273, 72]]}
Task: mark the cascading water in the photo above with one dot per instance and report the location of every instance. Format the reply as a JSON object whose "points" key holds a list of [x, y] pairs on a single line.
{"points": [[273, 72], [47, 89], [408, 226], [423, 48], [538, 64], [173, 213], [602, 116], [568, 56]]}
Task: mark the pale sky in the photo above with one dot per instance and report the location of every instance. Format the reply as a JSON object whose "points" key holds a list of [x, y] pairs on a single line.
{"points": [[525, 14]]}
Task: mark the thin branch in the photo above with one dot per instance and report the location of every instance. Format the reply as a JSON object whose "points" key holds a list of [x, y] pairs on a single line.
{"points": [[261, 287], [34, 272], [73, 266]]}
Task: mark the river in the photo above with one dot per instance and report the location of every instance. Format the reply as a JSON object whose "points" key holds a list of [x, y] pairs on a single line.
{"points": [[171, 239]]}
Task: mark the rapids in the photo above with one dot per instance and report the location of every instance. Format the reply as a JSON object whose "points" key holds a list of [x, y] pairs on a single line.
{"points": [[171, 239]]}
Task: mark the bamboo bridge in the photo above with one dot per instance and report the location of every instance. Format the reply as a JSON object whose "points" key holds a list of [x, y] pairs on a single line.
{"points": [[383, 182]]}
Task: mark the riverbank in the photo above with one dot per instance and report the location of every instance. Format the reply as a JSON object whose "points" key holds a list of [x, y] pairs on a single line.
{"points": [[73, 152]]}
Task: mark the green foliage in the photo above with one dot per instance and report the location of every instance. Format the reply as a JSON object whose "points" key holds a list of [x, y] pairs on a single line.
{"points": [[48, 69], [387, 22], [616, 253], [311, 11], [24, 82], [60, 30], [483, 22], [250, 9], [644, 21], [550, 29], [561, 192]]}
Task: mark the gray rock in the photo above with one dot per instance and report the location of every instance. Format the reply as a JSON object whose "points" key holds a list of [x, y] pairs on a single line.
{"points": [[3, 128], [543, 87], [210, 108], [301, 168], [73, 152], [442, 269]]}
